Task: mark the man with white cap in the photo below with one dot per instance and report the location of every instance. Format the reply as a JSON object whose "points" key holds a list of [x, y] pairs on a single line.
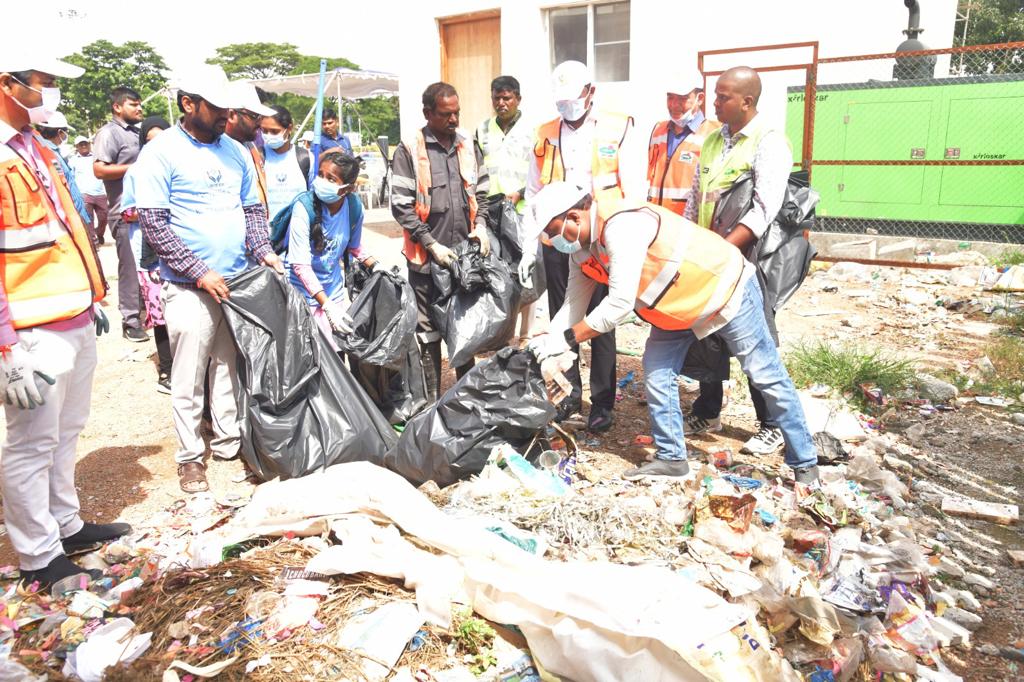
{"points": [[50, 285], [244, 123], [687, 282], [674, 149], [581, 146], [196, 195], [54, 134], [93, 193]]}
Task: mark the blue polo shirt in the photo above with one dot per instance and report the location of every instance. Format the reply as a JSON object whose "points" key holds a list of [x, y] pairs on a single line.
{"points": [[343, 232], [205, 187], [331, 142]]}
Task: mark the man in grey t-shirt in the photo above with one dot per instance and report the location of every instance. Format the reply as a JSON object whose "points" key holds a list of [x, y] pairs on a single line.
{"points": [[116, 147]]}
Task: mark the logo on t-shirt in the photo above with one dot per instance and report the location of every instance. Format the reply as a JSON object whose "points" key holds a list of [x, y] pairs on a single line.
{"points": [[215, 176], [281, 177]]}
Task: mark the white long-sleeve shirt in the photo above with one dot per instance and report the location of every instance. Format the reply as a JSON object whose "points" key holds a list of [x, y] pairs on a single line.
{"points": [[627, 237]]}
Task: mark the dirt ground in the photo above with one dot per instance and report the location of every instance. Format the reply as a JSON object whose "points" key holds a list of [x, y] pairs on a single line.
{"points": [[126, 467]]}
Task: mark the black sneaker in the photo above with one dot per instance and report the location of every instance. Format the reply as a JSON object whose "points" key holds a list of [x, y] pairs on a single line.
{"points": [[94, 535], [567, 408], [600, 420], [658, 467], [134, 335], [163, 384], [61, 567]]}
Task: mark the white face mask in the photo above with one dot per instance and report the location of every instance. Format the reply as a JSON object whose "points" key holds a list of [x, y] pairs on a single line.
{"points": [[274, 141], [43, 112], [684, 119], [572, 109]]}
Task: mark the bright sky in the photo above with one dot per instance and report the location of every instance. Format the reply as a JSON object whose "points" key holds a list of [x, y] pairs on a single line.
{"points": [[187, 32]]}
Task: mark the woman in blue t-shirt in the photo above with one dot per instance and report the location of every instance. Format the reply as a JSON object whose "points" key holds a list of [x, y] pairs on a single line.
{"points": [[316, 253]]}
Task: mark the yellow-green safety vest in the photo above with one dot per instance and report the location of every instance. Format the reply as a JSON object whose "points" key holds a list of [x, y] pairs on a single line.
{"points": [[718, 172]]}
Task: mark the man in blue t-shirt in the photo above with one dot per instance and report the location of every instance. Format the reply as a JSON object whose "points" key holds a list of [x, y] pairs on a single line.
{"points": [[331, 137], [195, 190]]}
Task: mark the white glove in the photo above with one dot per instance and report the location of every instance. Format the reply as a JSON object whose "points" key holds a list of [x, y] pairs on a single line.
{"points": [[526, 265], [341, 322], [17, 378], [442, 254], [547, 345], [480, 235]]}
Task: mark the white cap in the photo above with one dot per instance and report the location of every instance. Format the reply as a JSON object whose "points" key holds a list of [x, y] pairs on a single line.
{"points": [[685, 82], [568, 79], [246, 93], [210, 83], [79, 140], [307, 136], [25, 59], [58, 120], [551, 201]]}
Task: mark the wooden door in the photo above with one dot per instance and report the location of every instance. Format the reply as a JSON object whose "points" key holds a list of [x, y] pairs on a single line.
{"points": [[470, 60]]}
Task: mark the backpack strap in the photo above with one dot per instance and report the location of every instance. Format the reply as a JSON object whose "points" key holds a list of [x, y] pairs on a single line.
{"points": [[303, 156]]}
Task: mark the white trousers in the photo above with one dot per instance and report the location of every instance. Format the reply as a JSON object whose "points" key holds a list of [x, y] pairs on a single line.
{"points": [[37, 470], [199, 335]]}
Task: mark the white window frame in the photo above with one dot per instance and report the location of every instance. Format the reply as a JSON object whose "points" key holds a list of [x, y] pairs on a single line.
{"points": [[591, 43]]}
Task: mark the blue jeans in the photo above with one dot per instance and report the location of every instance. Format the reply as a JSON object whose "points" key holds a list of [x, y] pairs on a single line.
{"points": [[748, 338]]}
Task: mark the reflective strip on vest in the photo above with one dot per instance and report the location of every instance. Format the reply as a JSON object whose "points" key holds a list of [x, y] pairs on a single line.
{"points": [[46, 307], [656, 287], [670, 178], [26, 238], [403, 182], [506, 155], [605, 178]]}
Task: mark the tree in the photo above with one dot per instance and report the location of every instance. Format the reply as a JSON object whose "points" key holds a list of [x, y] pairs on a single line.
{"points": [[134, 64], [256, 60], [990, 21]]}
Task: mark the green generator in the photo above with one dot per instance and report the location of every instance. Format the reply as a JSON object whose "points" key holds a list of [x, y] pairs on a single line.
{"points": [[974, 118]]}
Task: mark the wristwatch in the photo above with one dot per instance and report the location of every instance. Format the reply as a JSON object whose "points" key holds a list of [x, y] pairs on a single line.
{"points": [[570, 338]]}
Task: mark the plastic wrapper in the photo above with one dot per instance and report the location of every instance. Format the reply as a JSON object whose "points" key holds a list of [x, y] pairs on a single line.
{"points": [[501, 400], [865, 469], [300, 409], [477, 303], [384, 322]]}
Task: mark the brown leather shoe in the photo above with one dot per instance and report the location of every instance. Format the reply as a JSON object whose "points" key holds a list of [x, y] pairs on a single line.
{"points": [[192, 477]]}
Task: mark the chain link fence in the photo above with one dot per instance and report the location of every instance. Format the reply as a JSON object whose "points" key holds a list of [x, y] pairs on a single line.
{"points": [[922, 144]]}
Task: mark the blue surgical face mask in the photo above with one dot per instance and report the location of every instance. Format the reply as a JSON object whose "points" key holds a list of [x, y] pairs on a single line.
{"points": [[327, 191], [564, 245], [275, 142]]}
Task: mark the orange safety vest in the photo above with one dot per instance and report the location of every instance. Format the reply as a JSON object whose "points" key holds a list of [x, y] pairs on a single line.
{"points": [[48, 267], [689, 273], [261, 174], [414, 251], [611, 130], [669, 180]]}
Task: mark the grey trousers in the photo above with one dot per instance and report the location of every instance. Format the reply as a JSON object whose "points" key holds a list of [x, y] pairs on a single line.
{"points": [[129, 299]]}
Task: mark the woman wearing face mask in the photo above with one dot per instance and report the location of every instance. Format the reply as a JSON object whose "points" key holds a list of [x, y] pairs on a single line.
{"points": [[316, 251], [146, 261], [286, 165]]}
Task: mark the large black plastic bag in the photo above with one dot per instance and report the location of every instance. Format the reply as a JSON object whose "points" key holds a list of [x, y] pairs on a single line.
{"points": [[510, 250], [398, 394], [300, 408], [384, 321], [501, 400], [477, 303], [707, 360]]}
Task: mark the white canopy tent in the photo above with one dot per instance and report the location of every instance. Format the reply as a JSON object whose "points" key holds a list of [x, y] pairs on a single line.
{"points": [[340, 82]]}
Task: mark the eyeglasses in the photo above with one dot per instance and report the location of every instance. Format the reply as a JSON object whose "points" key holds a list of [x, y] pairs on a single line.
{"points": [[255, 118]]}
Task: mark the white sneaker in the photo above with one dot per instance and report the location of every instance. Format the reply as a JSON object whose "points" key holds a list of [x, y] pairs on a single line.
{"points": [[766, 441], [694, 424]]}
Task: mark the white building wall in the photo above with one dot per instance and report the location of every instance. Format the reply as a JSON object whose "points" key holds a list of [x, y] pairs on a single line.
{"points": [[666, 36]]}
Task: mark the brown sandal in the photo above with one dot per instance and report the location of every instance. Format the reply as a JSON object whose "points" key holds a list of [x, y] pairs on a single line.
{"points": [[192, 477]]}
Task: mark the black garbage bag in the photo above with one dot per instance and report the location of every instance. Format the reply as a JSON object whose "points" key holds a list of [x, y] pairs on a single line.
{"points": [[384, 321], [501, 400], [477, 303], [300, 409], [398, 394], [510, 242]]}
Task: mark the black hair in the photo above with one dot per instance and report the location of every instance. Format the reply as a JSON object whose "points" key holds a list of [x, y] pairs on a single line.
{"points": [[503, 83], [330, 114], [148, 124], [282, 116], [348, 167], [196, 99], [122, 94], [50, 133], [22, 76], [581, 205], [436, 91]]}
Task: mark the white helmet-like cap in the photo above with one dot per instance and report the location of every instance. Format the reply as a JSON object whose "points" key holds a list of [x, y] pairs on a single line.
{"points": [[568, 79], [551, 201], [684, 82]]}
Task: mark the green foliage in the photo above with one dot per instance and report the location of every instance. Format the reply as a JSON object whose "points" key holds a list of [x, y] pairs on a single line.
{"points": [[847, 367], [991, 21], [256, 60], [1009, 257], [474, 636], [307, 64], [134, 64]]}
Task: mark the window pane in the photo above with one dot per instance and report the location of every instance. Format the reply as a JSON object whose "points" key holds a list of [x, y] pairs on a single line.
{"points": [[612, 62], [568, 30], [611, 22]]}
